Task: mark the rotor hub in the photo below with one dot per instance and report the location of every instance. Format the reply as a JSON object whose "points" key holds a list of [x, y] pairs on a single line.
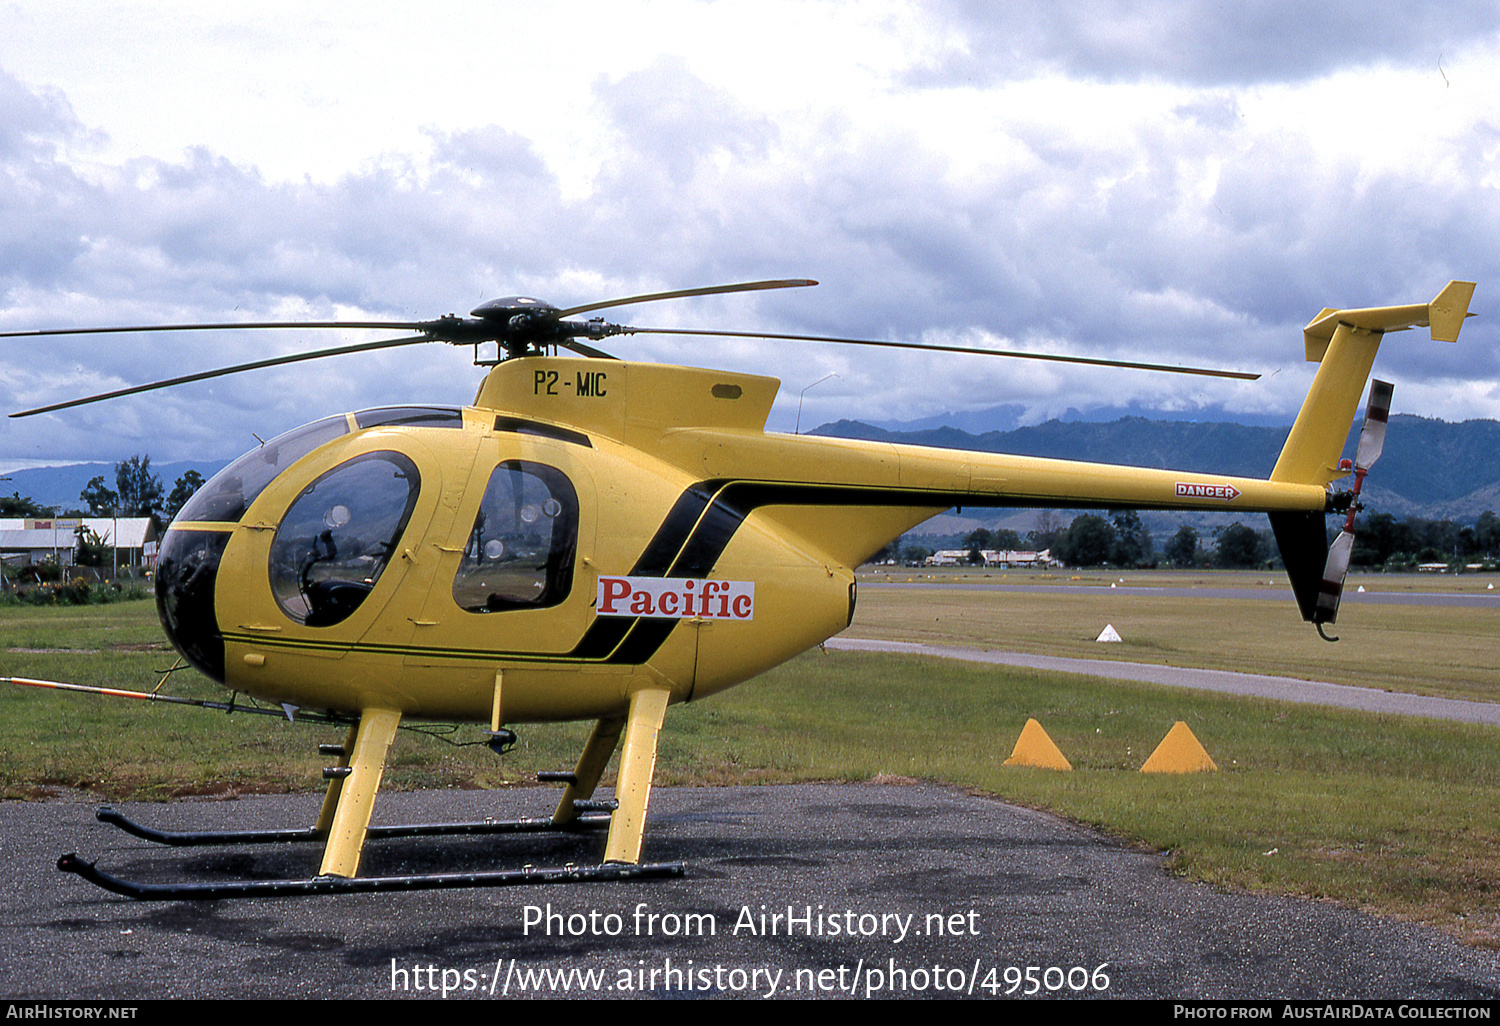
{"points": [[508, 308], [518, 325]]}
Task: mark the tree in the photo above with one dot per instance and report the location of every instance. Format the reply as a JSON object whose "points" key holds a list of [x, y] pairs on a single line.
{"points": [[1132, 545], [914, 554], [1241, 546], [1049, 531], [1182, 550], [16, 505], [1087, 541], [1005, 539], [183, 490], [92, 549], [140, 490], [1487, 533], [100, 498], [1376, 537]]}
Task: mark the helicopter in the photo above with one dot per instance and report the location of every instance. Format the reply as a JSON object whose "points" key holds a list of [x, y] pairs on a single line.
{"points": [[599, 539]]}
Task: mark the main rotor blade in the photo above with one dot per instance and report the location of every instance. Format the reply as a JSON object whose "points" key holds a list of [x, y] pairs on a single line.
{"points": [[274, 361], [392, 325], [1053, 358], [711, 290], [585, 350]]}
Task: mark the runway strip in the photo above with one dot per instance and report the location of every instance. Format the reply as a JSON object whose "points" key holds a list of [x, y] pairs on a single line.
{"points": [[1283, 689], [1477, 600]]}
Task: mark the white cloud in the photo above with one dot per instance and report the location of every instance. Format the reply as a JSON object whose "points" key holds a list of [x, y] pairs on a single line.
{"points": [[1126, 190]]}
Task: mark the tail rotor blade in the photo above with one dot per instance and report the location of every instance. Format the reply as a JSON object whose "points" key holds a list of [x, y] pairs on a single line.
{"points": [[1372, 435], [1371, 441], [1334, 572]]}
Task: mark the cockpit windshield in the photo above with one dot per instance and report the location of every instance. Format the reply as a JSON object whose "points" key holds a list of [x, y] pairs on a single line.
{"points": [[231, 491]]}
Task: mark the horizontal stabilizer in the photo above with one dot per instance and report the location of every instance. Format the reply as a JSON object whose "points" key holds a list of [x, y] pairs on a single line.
{"points": [[1444, 315], [1343, 343]]}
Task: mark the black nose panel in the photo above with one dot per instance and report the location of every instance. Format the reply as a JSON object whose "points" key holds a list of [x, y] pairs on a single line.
{"points": [[186, 573]]}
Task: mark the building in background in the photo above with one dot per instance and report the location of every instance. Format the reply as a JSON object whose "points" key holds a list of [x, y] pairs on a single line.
{"points": [[55, 539]]}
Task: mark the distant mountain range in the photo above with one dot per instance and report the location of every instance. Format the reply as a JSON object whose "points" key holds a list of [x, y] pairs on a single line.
{"points": [[1430, 468], [1009, 416], [60, 486]]}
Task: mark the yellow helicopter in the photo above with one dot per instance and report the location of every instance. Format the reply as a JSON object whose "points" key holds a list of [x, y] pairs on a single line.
{"points": [[598, 539]]}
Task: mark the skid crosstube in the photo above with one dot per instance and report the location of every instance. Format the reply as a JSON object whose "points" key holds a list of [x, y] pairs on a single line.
{"points": [[193, 839], [343, 825], [71, 863]]}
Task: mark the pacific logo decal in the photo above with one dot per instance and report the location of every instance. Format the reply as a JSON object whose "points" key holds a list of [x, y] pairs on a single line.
{"points": [[1226, 491], [676, 598]]}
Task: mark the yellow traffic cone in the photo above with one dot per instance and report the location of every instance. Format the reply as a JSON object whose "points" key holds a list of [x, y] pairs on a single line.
{"points": [[1179, 752], [1035, 748]]}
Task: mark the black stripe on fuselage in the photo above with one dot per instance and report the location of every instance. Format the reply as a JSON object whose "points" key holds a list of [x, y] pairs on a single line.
{"points": [[706, 516], [675, 530], [703, 521]]}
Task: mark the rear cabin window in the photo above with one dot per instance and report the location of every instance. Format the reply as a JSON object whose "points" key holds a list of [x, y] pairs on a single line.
{"points": [[520, 552]]}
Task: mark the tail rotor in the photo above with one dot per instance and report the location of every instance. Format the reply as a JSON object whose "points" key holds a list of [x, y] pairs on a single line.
{"points": [[1371, 443]]}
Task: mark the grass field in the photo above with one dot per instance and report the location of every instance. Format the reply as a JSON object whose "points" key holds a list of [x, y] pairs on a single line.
{"points": [[1447, 651], [1392, 814]]}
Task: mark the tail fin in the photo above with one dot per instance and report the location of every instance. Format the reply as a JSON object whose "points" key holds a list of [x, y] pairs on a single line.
{"points": [[1303, 541], [1344, 342]]}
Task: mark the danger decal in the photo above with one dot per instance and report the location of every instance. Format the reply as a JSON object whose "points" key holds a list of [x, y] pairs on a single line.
{"points": [[1226, 491], [673, 598]]}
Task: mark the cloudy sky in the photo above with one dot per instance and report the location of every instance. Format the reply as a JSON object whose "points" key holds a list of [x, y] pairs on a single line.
{"points": [[1177, 182]]}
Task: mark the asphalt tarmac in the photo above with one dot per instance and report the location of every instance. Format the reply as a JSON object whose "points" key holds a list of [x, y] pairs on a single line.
{"points": [[894, 890]]}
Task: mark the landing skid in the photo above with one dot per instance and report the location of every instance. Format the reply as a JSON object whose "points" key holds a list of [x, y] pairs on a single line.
{"points": [[71, 863], [343, 825], [609, 871], [195, 839]]}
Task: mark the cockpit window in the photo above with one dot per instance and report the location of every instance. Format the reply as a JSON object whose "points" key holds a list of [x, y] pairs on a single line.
{"points": [[338, 537], [411, 416], [520, 552], [231, 491]]}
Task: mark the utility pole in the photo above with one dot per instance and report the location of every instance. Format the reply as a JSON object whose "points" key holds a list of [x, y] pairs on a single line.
{"points": [[2, 561]]}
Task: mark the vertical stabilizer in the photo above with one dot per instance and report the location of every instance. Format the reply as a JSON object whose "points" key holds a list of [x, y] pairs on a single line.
{"points": [[1448, 310], [1344, 343]]}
